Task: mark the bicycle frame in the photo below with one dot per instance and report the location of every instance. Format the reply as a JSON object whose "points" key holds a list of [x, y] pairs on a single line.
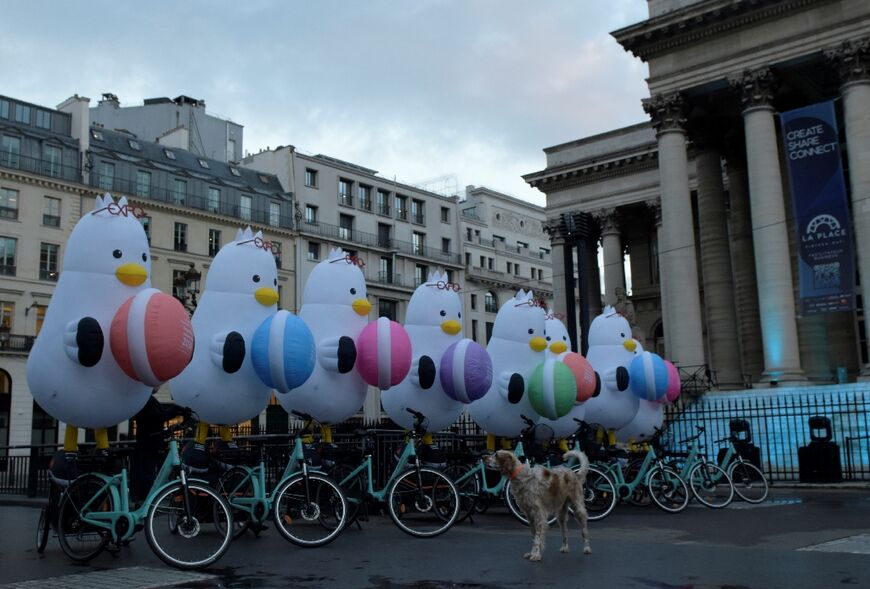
{"points": [[366, 467], [480, 468], [626, 488]]}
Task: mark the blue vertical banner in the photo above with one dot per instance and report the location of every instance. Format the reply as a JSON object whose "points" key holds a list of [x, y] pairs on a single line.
{"points": [[826, 265]]}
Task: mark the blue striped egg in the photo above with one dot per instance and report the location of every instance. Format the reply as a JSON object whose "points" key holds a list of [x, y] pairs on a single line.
{"points": [[648, 376], [283, 351]]}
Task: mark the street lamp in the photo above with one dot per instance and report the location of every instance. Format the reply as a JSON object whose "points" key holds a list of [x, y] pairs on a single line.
{"points": [[186, 287]]}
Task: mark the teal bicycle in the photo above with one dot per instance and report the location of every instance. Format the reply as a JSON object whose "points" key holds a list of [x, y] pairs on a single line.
{"points": [[421, 501], [188, 525], [749, 482], [709, 483], [308, 507]]}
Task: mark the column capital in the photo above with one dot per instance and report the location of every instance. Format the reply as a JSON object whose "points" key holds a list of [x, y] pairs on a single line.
{"points": [[667, 112], [851, 60], [655, 207], [552, 227], [755, 87], [608, 220]]}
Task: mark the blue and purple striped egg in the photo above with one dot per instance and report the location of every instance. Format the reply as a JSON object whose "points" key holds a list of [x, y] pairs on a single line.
{"points": [[283, 351], [466, 371], [648, 376], [151, 337], [383, 353]]}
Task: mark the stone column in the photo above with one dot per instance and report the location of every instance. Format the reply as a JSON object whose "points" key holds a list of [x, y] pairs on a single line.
{"points": [[677, 238], [743, 265], [558, 251], [716, 270], [595, 306], [770, 233], [853, 60], [655, 208], [611, 243]]}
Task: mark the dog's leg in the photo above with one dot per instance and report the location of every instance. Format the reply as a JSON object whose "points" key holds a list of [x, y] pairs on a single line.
{"points": [[582, 518], [563, 526], [539, 534], [533, 527]]}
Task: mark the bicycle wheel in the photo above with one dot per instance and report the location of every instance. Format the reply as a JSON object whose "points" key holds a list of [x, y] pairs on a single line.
{"points": [[189, 542], [599, 494], [640, 495], [236, 484], [80, 540], [749, 482], [423, 502], [354, 490], [309, 519], [667, 489], [516, 510], [467, 483], [711, 485], [42, 529]]}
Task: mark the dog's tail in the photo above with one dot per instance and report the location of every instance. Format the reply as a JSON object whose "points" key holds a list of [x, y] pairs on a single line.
{"points": [[581, 458]]}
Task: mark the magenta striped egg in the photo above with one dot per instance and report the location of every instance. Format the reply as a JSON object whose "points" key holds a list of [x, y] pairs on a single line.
{"points": [[674, 384], [383, 353], [466, 371]]}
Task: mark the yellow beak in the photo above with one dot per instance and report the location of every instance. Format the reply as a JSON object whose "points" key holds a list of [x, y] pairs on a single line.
{"points": [[629, 345], [558, 347], [362, 307], [131, 274], [266, 296], [538, 344], [451, 327]]}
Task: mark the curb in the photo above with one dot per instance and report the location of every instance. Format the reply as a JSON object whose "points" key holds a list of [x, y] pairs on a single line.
{"points": [[22, 501]]}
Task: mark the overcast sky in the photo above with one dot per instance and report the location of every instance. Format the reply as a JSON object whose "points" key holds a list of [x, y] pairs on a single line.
{"points": [[416, 89]]}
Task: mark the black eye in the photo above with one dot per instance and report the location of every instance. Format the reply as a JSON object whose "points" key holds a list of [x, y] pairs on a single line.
{"points": [[531, 331], [443, 313], [353, 291], [256, 278], [144, 257], [275, 282], [565, 338], [117, 253], [548, 338], [459, 315], [621, 335]]}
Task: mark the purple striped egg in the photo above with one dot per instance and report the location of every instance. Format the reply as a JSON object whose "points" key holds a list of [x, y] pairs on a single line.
{"points": [[466, 371]]}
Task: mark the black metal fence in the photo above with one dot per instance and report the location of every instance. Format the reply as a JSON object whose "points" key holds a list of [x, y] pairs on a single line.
{"points": [[779, 424]]}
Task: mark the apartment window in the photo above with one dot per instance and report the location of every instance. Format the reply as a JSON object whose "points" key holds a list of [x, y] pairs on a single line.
{"points": [[387, 308], [473, 302], [449, 275], [509, 266], [467, 259], [52, 160], [4, 109], [22, 114], [245, 207], [264, 179], [43, 119], [401, 203], [50, 211], [214, 242], [143, 183], [490, 302], [418, 210], [483, 261], [345, 227], [274, 214], [7, 312], [202, 163], [48, 261], [445, 215], [179, 191], [313, 251], [146, 225], [345, 192], [231, 151], [178, 290], [385, 273], [490, 263], [384, 235], [10, 151], [516, 269], [489, 325], [8, 245], [214, 199], [521, 245], [106, 176], [421, 274], [8, 203], [445, 245], [276, 252], [474, 329], [468, 234], [180, 237], [134, 145], [311, 214], [280, 296], [383, 202], [310, 178], [169, 154], [365, 197], [418, 242], [40, 317], [98, 135]]}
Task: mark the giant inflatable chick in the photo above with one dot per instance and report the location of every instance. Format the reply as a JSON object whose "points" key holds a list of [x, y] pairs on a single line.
{"points": [[516, 347], [559, 344], [433, 323], [71, 372], [649, 417], [611, 350], [335, 308], [220, 384]]}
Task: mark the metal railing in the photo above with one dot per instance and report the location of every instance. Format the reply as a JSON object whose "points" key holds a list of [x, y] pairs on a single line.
{"points": [[40, 166], [13, 342], [697, 379]]}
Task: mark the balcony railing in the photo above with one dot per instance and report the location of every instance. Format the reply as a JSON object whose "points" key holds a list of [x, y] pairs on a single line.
{"points": [[51, 220], [193, 201], [393, 278], [11, 342], [48, 275], [40, 166], [7, 269], [402, 214], [9, 213], [384, 210], [345, 199], [365, 204], [419, 219]]}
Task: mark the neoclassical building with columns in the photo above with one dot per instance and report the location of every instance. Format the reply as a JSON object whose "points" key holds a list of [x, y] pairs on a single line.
{"points": [[698, 197]]}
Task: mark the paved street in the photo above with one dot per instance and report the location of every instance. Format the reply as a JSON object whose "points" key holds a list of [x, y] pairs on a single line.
{"points": [[801, 538]]}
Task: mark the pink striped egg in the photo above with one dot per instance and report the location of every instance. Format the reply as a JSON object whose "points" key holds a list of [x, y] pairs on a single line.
{"points": [[588, 384], [674, 384], [151, 337], [383, 353]]}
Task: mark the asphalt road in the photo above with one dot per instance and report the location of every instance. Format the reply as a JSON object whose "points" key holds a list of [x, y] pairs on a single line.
{"points": [[799, 538]]}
